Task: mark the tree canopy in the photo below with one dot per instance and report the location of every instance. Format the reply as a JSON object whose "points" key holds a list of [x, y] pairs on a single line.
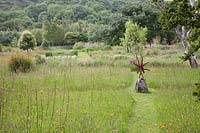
{"points": [[102, 20]]}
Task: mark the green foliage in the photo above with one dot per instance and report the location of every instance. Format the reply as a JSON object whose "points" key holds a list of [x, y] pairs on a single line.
{"points": [[34, 11], [8, 37], [47, 54], [72, 37], [144, 16], [103, 20], [135, 37], [192, 49], [73, 52], [45, 44], [39, 59], [177, 13], [27, 41], [196, 93], [20, 63], [53, 33], [14, 20], [78, 46], [38, 33]]}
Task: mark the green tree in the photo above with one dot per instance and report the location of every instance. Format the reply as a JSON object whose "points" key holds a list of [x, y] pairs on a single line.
{"points": [[14, 20], [27, 41], [73, 37], [145, 16], [182, 15], [38, 35], [53, 33], [135, 36], [33, 11]]}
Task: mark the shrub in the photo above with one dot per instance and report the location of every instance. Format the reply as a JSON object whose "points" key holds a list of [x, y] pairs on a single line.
{"points": [[27, 41], [7, 37], [48, 54], [20, 63], [39, 59], [72, 37], [73, 52], [78, 45]]}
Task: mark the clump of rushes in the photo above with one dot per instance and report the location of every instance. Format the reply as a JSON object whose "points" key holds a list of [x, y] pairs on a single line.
{"points": [[20, 63]]}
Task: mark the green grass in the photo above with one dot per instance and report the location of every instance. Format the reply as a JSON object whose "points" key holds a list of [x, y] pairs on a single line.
{"points": [[176, 107], [62, 96], [66, 99]]}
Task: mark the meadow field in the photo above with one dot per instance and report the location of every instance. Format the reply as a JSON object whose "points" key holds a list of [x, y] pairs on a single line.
{"points": [[94, 92]]}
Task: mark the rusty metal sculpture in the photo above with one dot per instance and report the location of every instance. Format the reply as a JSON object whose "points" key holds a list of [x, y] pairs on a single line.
{"points": [[139, 63], [141, 86]]}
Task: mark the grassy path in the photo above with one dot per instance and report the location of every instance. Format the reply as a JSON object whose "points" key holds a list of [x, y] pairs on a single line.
{"points": [[144, 119]]}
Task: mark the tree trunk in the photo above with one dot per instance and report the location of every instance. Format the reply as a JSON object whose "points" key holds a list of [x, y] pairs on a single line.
{"points": [[141, 86], [183, 35], [193, 62]]}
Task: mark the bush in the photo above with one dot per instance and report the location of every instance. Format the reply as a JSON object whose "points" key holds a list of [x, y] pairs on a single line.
{"points": [[73, 52], [48, 54], [20, 63], [78, 46], [7, 37], [27, 41], [39, 59], [72, 37]]}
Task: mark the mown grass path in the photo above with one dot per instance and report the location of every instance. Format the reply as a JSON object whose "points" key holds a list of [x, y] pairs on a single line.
{"points": [[144, 119]]}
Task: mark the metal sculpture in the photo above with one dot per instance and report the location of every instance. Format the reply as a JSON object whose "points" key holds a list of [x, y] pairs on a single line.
{"points": [[139, 63], [140, 85]]}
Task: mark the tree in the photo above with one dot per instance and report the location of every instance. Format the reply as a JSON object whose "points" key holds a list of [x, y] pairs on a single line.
{"points": [[27, 41], [135, 36], [38, 36], [182, 15], [53, 33], [145, 16], [72, 37], [8, 37], [33, 11]]}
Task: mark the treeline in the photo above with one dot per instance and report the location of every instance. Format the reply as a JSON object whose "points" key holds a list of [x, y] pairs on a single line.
{"points": [[61, 22]]}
